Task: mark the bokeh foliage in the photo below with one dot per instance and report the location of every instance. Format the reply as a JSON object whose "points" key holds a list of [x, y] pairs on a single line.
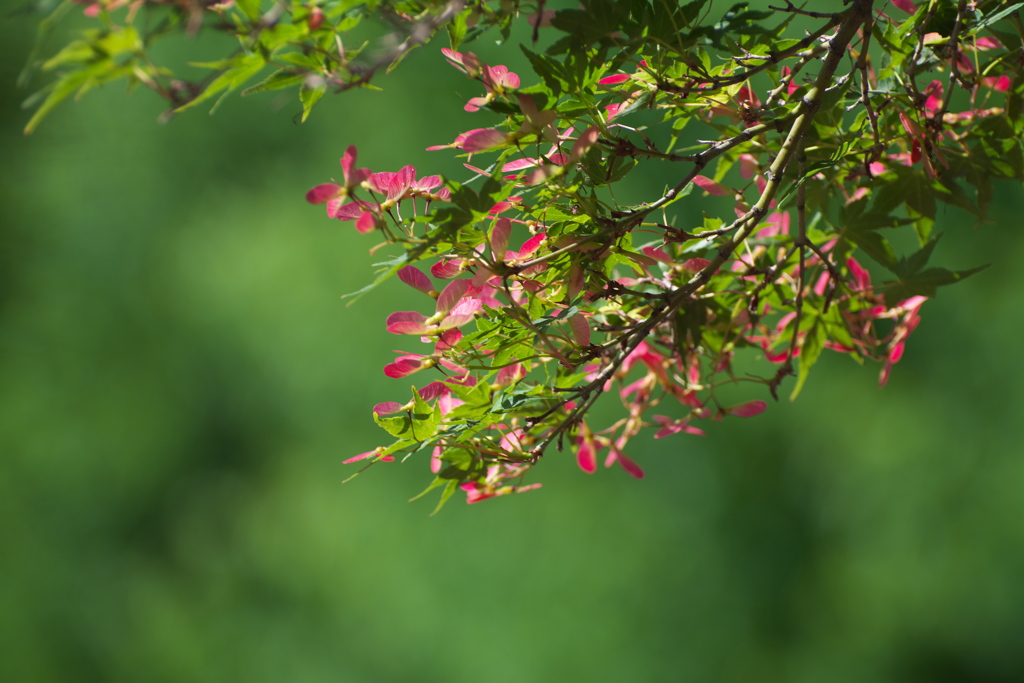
{"points": [[179, 383]]}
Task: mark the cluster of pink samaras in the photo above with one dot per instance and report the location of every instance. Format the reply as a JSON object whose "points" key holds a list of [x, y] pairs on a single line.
{"points": [[498, 277]]}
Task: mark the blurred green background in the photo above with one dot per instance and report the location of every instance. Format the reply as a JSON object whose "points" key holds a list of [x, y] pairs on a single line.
{"points": [[179, 383]]}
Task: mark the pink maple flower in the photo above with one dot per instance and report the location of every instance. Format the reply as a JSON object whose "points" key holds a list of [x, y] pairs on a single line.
{"points": [[466, 62], [906, 5], [335, 194], [476, 492], [670, 427], [494, 483], [645, 353], [452, 311], [497, 80]]}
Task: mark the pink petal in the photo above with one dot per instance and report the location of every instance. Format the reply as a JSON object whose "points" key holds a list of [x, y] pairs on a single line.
{"points": [[427, 183], [580, 329], [905, 5], [344, 212], [483, 139], [775, 224], [695, 265], [446, 270], [433, 390], [414, 277], [614, 80], [585, 457], [627, 463], [401, 182], [861, 276], [711, 187], [475, 103], [451, 295], [510, 374], [492, 75], [447, 340], [366, 222], [407, 322], [748, 166], [749, 409], [500, 234], [348, 163], [461, 314], [405, 366], [585, 141], [321, 193], [531, 245], [388, 408], [657, 254], [380, 182], [517, 165], [503, 205]]}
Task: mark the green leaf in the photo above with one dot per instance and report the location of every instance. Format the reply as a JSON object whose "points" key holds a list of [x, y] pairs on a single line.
{"points": [[309, 97], [425, 419], [399, 426], [810, 350], [862, 233], [993, 18], [278, 80], [251, 8], [449, 488], [925, 283], [911, 187], [244, 67], [59, 92], [457, 28]]}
